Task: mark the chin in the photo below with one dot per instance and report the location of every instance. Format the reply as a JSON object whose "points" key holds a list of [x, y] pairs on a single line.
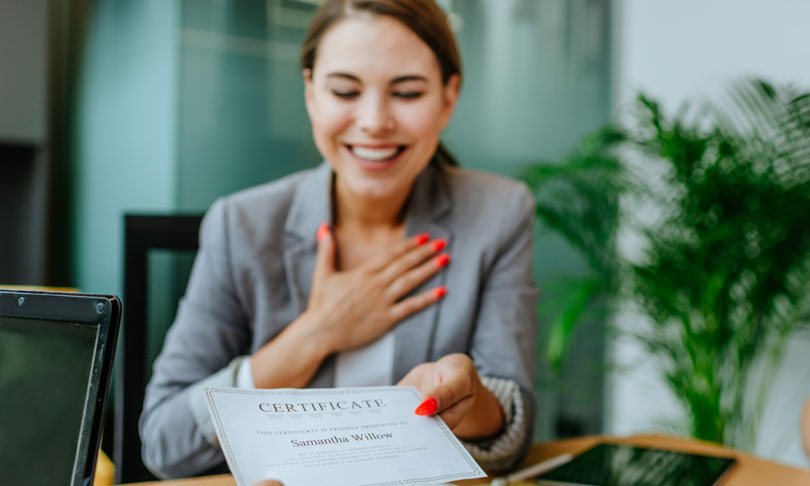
{"points": [[375, 189]]}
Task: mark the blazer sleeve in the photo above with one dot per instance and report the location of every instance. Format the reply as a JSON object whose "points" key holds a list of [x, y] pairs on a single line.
{"points": [[202, 349], [503, 345]]}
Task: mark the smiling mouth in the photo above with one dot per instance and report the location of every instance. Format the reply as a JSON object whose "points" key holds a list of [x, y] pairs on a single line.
{"points": [[376, 154]]}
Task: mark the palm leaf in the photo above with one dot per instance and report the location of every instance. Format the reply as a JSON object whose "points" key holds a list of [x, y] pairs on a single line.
{"points": [[578, 198]]}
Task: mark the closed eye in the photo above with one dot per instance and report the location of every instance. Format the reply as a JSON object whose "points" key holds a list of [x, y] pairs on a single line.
{"points": [[346, 95], [408, 95]]}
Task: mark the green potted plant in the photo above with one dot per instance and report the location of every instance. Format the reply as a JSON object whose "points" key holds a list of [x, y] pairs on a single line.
{"points": [[723, 275]]}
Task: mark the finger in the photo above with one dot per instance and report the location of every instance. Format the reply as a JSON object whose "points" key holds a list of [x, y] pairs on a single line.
{"points": [[268, 482], [406, 307], [452, 384], [379, 263], [411, 279], [455, 414], [411, 259], [325, 259], [419, 374]]}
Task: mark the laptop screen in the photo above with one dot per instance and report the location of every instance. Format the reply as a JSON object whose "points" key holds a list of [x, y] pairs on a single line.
{"points": [[49, 388]]}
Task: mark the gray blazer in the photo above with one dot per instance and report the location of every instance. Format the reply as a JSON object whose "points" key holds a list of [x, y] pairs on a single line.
{"points": [[252, 277]]}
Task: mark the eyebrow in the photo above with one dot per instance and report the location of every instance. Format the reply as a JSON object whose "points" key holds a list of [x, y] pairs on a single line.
{"points": [[409, 77], [397, 80]]}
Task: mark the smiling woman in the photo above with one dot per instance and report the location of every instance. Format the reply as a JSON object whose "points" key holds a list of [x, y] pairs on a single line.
{"points": [[341, 276], [377, 118]]}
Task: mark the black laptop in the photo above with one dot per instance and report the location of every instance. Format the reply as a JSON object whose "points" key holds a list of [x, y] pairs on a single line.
{"points": [[56, 356]]}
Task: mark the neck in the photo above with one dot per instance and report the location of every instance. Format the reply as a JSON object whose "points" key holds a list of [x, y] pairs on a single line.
{"points": [[360, 213]]}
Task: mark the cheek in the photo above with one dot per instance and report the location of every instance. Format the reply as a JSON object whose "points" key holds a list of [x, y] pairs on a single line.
{"points": [[329, 118], [422, 121]]}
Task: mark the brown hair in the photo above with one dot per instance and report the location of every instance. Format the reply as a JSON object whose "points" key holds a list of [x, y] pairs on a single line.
{"points": [[423, 17]]}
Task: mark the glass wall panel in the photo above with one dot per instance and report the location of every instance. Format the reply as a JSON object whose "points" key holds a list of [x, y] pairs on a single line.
{"points": [[536, 79], [242, 118]]}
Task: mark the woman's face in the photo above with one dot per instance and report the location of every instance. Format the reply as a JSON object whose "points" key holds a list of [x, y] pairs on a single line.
{"points": [[377, 104]]}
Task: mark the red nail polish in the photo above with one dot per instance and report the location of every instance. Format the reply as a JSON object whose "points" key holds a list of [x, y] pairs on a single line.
{"points": [[323, 230], [440, 292], [439, 245], [428, 407], [423, 238], [442, 260]]}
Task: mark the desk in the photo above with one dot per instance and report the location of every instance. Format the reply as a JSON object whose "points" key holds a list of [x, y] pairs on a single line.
{"points": [[749, 470]]}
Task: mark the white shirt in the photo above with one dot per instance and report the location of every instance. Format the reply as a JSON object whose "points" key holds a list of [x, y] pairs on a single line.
{"points": [[371, 365]]}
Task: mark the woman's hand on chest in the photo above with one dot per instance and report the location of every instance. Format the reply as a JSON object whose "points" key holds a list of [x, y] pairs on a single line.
{"points": [[351, 308]]}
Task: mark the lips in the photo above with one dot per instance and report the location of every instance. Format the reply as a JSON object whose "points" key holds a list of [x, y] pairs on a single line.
{"points": [[376, 154]]}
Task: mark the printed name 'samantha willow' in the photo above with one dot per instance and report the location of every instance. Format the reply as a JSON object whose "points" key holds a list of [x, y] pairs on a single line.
{"points": [[387, 264]]}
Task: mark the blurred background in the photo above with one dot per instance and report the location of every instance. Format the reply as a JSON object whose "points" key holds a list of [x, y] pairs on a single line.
{"points": [[114, 107]]}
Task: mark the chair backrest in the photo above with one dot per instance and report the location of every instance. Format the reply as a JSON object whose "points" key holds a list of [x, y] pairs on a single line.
{"points": [[158, 255]]}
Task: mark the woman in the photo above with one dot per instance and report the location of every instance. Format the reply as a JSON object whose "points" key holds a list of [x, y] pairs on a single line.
{"points": [[342, 275]]}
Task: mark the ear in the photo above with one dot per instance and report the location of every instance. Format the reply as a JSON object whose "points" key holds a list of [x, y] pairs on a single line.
{"points": [[308, 92], [450, 93]]}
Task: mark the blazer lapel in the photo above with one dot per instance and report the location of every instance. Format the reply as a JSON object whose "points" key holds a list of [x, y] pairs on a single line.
{"points": [[430, 201]]}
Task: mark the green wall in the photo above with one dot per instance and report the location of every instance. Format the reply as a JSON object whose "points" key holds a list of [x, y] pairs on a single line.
{"points": [[125, 132]]}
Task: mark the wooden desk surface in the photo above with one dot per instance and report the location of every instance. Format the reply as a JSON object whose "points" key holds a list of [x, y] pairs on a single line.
{"points": [[749, 470]]}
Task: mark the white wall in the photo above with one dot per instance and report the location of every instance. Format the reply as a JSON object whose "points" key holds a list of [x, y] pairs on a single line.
{"points": [[691, 49]]}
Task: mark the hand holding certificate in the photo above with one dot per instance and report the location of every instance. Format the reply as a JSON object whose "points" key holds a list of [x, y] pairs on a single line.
{"points": [[342, 436]]}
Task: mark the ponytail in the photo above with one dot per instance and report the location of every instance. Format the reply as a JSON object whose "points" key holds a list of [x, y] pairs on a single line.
{"points": [[443, 157]]}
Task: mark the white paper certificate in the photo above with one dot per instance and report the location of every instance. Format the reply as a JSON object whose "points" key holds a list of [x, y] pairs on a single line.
{"points": [[338, 436]]}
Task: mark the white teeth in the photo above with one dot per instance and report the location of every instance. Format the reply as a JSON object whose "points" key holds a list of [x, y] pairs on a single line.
{"points": [[374, 154]]}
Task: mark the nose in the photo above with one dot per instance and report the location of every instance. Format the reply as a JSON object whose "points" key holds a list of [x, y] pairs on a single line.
{"points": [[374, 115]]}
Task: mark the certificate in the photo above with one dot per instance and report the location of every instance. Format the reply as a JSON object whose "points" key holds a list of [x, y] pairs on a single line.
{"points": [[336, 436]]}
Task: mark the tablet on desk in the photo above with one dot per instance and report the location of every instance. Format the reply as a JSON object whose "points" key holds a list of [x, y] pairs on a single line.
{"points": [[623, 465]]}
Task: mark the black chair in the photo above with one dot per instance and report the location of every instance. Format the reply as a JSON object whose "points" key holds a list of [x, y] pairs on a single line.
{"points": [[158, 255]]}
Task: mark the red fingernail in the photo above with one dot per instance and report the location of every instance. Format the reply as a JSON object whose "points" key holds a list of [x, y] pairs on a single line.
{"points": [[438, 245], [428, 407], [323, 230], [440, 292], [442, 260], [423, 238]]}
